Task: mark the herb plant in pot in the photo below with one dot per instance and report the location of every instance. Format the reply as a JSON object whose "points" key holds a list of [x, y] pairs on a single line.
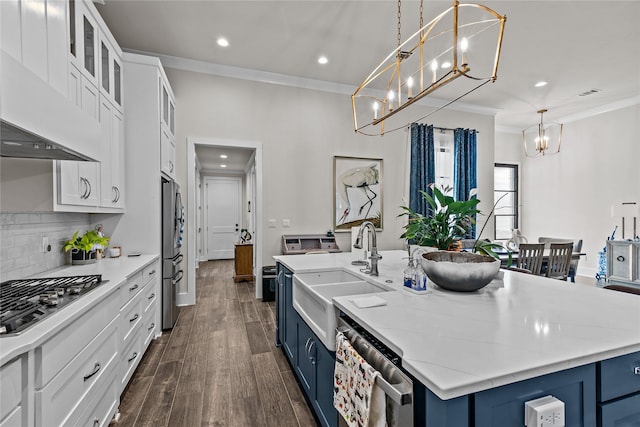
{"points": [[83, 248], [450, 222]]}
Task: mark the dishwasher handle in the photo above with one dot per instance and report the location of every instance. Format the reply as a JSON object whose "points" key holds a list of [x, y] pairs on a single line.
{"points": [[400, 391]]}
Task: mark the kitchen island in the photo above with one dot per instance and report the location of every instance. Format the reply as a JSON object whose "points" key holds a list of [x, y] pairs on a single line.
{"points": [[481, 355]]}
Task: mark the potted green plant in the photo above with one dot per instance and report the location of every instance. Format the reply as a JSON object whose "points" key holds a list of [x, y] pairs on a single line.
{"points": [[83, 248], [451, 221]]}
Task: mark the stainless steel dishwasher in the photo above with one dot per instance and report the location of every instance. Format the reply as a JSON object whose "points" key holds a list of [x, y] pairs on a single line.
{"points": [[397, 386]]}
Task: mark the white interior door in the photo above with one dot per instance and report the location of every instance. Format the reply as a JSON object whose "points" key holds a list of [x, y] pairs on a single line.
{"points": [[223, 199]]}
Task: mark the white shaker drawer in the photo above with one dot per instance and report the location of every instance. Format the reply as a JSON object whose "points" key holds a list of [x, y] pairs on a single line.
{"points": [[54, 354], [149, 328], [130, 319], [102, 407], [129, 359], [63, 399], [11, 386], [150, 297], [130, 288]]}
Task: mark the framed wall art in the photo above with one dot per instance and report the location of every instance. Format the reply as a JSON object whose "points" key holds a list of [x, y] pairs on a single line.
{"points": [[357, 192]]}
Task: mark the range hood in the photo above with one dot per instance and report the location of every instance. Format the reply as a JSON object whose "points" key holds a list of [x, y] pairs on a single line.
{"points": [[16, 142], [40, 121]]}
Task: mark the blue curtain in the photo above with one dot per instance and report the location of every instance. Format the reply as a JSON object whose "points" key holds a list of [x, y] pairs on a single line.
{"points": [[464, 164], [422, 166]]}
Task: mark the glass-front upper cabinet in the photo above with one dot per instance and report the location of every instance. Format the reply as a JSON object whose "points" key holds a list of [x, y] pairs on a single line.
{"points": [[89, 39], [105, 66], [117, 82], [172, 117], [165, 105]]}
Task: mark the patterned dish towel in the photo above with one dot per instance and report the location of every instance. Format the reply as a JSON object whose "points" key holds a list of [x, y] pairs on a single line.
{"points": [[353, 385]]}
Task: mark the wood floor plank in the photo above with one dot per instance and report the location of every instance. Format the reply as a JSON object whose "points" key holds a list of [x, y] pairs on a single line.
{"points": [[187, 315], [156, 409], [177, 344], [249, 311], [264, 312], [216, 404], [300, 407], [149, 363], [132, 400], [257, 339], [273, 395]]}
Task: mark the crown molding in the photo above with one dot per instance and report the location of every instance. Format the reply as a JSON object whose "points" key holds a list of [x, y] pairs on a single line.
{"points": [[296, 82]]}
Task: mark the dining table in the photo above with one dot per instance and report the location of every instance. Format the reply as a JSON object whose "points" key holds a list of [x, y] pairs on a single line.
{"points": [[504, 257]]}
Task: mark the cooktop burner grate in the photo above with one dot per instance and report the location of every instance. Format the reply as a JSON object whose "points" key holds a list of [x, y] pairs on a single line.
{"points": [[26, 301]]}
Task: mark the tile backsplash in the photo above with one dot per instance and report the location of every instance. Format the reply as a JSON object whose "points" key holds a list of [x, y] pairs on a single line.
{"points": [[21, 241]]}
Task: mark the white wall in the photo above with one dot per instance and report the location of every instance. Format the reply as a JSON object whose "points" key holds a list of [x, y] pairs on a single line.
{"points": [[301, 130], [570, 194]]}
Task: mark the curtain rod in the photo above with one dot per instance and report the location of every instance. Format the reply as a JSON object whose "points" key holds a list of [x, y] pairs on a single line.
{"points": [[441, 128]]}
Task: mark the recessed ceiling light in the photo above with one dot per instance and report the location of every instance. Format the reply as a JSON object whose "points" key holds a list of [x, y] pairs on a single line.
{"points": [[223, 166], [540, 84], [322, 60], [223, 156], [223, 42]]}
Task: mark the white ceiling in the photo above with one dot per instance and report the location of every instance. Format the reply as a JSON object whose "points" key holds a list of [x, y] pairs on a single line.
{"points": [[576, 46]]}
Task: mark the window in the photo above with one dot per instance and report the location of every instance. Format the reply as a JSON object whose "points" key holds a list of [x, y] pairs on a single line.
{"points": [[506, 191], [443, 147]]}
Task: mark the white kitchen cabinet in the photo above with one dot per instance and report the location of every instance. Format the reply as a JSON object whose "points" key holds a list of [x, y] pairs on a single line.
{"points": [[95, 85], [167, 129], [34, 75], [77, 184], [112, 187], [12, 388]]}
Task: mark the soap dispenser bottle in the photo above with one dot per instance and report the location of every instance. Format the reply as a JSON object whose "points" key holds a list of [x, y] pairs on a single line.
{"points": [[409, 276]]}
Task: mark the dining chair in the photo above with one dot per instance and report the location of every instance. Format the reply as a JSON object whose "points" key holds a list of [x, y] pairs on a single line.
{"points": [[577, 247], [559, 260], [530, 257]]}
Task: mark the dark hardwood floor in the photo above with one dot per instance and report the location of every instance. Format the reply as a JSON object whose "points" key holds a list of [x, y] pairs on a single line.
{"points": [[218, 366]]}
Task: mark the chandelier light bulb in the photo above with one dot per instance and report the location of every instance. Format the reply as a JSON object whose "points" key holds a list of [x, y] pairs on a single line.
{"points": [[464, 45], [409, 85], [375, 110], [434, 68]]}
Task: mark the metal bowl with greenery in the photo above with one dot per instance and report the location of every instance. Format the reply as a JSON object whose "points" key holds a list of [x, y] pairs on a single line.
{"points": [[460, 271]]}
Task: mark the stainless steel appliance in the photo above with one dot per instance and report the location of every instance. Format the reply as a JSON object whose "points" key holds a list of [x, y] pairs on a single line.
{"points": [[397, 386], [172, 229], [24, 302]]}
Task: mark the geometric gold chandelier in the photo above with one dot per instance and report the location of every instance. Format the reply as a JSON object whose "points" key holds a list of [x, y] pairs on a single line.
{"points": [[542, 138], [461, 44]]}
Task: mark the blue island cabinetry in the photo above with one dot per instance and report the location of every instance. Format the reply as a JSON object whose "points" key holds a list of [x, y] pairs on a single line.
{"points": [[598, 394], [311, 361]]}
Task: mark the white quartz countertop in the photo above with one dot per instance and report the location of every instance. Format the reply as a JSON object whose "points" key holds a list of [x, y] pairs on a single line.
{"points": [[113, 270], [518, 327]]}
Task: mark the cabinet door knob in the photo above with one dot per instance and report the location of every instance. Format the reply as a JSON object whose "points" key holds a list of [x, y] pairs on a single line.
{"points": [[96, 421], [133, 288], [636, 370], [153, 325], [133, 356], [134, 318], [151, 297], [620, 258]]}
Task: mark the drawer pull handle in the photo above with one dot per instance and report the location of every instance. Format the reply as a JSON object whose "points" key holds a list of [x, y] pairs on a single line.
{"points": [[636, 370], [152, 296], [152, 272], [133, 288], [96, 421], [135, 354], [134, 318], [96, 369], [153, 325], [620, 258]]}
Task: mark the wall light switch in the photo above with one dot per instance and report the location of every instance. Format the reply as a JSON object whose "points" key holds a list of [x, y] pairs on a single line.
{"points": [[272, 223], [286, 223]]}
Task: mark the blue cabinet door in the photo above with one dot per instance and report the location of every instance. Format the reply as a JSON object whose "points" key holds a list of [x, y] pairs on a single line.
{"points": [[576, 387], [620, 413], [323, 404], [290, 319], [618, 376], [279, 304], [306, 358]]}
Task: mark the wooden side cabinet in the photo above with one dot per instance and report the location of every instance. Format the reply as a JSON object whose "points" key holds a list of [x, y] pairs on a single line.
{"points": [[243, 262]]}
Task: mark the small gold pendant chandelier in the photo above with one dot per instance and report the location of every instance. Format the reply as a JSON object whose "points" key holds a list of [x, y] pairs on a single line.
{"points": [[436, 55], [543, 138]]}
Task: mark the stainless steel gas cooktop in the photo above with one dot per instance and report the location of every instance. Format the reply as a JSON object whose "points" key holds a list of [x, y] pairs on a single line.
{"points": [[24, 302]]}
